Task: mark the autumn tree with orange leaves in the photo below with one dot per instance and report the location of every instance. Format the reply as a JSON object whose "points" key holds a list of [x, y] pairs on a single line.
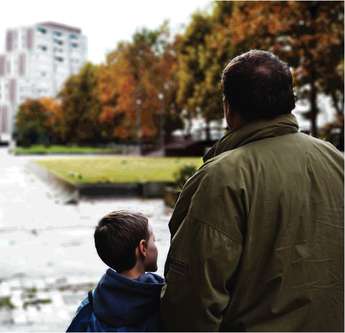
{"points": [[137, 87], [138, 94], [308, 35]]}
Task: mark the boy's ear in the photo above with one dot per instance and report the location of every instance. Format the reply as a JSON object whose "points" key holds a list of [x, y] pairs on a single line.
{"points": [[142, 247]]}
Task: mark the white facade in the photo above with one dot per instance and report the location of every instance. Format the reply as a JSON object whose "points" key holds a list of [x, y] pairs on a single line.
{"points": [[37, 61]]}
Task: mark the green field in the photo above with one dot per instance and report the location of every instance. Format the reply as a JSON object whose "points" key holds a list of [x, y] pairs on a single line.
{"points": [[117, 169], [41, 149]]}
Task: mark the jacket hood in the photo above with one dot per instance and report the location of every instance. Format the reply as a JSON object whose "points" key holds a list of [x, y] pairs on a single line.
{"points": [[281, 125], [119, 301]]}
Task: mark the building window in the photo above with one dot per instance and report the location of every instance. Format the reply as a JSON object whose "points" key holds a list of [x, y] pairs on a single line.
{"points": [[73, 36], [60, 59], [57, 33], [75, 45], [59, 42], [8, 67], [42, 30], [43, 47]]}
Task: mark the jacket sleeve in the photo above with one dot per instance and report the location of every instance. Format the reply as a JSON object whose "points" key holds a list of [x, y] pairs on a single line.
{"points": [[203, 257], [197, 291]]}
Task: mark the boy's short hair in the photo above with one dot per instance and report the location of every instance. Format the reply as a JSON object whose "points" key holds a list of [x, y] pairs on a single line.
{"points": [[116, 237]]}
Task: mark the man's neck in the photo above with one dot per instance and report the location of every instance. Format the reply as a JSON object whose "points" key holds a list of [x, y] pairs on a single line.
{"points": [[234, 121]]}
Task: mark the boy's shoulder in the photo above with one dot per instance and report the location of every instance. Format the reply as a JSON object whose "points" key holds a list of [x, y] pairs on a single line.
{"points": [[115, 303], [147, 280], [150, 278]]}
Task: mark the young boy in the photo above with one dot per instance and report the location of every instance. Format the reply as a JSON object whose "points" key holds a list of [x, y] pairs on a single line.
{"points": [[126, 298]]}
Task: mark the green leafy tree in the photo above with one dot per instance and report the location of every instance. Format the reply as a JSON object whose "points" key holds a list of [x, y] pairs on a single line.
{"points": [[81, 108], [204, 49], [32, 124]]}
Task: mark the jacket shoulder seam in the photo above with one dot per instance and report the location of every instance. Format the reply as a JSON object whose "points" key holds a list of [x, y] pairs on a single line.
{"points": [[218, 229]]}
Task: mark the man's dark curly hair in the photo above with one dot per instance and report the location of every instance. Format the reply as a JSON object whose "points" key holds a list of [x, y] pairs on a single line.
{"points": [[258, 85]]}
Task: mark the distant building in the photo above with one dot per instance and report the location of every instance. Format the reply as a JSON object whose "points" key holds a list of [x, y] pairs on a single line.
{"points": [[37, 61]]}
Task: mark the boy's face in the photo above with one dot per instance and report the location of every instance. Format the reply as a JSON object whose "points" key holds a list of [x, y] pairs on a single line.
{"points": [[150, 261]]}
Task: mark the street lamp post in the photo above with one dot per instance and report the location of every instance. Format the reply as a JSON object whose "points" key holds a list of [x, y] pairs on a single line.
{"points": [[161, 122], [138, 124]]}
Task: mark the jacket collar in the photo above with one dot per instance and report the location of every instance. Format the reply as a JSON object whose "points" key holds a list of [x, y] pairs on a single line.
{"points": [[281, 125]]}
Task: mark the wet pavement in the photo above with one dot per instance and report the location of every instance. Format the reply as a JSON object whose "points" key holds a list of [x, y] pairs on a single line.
{"points": [[48, 260]]}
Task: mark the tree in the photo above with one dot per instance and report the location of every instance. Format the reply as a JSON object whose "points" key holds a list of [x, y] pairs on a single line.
{"points": [[203, 51], [53, 109], [167, 87], [35, 122], [114, 78], [308, 35], [137, 86], [81, 108]]}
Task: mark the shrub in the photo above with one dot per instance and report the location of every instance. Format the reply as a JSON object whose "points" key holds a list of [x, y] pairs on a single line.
{"points": [[183, 174]]}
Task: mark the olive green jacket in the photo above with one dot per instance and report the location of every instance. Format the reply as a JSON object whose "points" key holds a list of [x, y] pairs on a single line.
{"points": [[257, 236]]}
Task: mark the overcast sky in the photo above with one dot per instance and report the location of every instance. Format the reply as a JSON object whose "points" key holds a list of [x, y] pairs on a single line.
{"points": [[104, 22]]}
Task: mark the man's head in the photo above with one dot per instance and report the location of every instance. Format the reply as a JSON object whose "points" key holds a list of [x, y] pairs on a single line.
{"points": [[256, 85], [122, 239]]}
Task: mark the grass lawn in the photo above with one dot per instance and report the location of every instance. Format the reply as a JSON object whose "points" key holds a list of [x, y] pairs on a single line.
{"points": [[40, 149], [117, 169]]}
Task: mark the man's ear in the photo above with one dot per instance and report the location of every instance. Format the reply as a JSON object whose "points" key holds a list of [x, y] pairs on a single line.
{"points": [[142, 248]]}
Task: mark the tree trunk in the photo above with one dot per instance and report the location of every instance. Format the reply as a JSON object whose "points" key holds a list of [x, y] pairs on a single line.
{"points": [[207, 130], [313, 7], [313, 106], [189, 126]]}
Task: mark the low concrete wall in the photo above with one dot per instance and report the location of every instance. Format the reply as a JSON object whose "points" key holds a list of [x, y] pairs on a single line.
{"points": [[170, 196], [146, 190], [120, 190], [64, 191]]}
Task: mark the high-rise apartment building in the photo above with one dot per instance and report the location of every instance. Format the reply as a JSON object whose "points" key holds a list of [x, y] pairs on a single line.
{"points": [[37, 61]]}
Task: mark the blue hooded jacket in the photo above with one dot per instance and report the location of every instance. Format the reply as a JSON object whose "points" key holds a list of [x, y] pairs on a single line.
{"points": [[119, 304]]}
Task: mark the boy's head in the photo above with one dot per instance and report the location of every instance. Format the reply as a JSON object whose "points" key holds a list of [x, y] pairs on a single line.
{"points": [[122, 239]]}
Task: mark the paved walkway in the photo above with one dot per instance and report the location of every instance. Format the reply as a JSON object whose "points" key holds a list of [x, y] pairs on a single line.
{"points": [[48, 259]]}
